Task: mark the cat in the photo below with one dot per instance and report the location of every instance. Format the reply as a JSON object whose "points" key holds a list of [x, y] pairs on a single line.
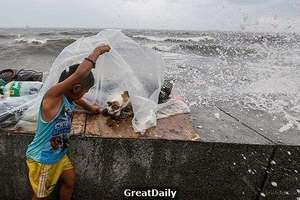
{"points": [[119, 106]]}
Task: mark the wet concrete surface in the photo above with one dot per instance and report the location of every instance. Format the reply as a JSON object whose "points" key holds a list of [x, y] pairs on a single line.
{"points": [[198, 170], [215, 126], [177, 127], [283, 178], [226, 122], [265, 123], [106, 166]]}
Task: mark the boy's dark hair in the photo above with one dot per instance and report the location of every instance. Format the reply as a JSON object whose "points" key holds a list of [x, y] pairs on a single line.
{"points": [[86, 82]]}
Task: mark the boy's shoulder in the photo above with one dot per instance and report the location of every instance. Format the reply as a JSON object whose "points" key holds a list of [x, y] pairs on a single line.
{"points": [[50, 106]]}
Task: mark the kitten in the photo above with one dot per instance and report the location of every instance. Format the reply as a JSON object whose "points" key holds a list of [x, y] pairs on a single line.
{"points": [[116, 103]]}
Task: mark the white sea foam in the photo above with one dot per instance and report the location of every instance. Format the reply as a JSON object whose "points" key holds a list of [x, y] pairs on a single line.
{"points": [[164, 48], [275, 84], [30, 40], [277, 94], [274, 184]]}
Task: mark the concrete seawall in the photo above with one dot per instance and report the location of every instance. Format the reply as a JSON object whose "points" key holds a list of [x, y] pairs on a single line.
{"points": [[197, 170]]}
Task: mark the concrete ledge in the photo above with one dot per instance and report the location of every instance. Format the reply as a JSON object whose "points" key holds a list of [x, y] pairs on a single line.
{"points": [[197, 170]]}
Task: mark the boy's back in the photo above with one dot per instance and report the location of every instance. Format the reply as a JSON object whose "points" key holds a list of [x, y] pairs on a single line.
{"points": [[56, 131]]}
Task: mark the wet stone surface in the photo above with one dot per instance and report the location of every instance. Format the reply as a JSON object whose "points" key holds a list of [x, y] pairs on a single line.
{"points": [[283, 181], [210, 170]]}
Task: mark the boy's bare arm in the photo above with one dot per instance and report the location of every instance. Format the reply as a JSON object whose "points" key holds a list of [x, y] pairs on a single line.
{"points": [[53, 97], [84, 68], [93, 108]]}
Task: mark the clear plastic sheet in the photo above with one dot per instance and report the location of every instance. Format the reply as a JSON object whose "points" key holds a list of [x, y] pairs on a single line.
{"points": [[172, 107], [12, 109], [127, 67]]}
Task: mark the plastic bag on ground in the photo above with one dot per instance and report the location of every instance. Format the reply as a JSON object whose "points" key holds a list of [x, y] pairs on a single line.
{"points": [[172, 107], [28, 75], [12, 109], [21, 88]]}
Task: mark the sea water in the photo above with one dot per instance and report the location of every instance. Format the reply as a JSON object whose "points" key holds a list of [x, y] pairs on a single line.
{"points": [[253, 71]]}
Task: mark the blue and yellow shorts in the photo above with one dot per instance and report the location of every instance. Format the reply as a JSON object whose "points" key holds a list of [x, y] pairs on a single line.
{"points": [[43, 177]]}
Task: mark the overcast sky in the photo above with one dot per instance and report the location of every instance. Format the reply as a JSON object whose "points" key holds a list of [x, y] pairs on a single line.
{"points": [[247, 15]]}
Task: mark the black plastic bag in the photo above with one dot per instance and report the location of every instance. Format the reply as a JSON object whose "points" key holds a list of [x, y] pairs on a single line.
{"points": [[9, 75], [28, 75]]}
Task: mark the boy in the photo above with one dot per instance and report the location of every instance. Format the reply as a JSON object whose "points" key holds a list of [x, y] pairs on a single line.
{"points": [[47, 158]]}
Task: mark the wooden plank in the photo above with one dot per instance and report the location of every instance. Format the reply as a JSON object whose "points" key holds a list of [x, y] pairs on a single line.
{"points": [[78, 123], [178, 127], [99, 125]]}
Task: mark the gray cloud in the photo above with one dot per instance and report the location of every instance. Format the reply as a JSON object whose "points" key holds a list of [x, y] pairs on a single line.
{"points": [[248, 15]]}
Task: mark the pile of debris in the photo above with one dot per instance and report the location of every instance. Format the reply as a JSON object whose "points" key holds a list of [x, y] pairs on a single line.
{"points": [[17, 87]]}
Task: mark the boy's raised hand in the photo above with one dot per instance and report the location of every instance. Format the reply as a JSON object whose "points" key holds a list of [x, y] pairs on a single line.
{"points": [[101, 49]]}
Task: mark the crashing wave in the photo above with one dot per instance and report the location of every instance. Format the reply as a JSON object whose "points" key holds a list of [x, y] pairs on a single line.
{"points": [[48, 47], [208, 50], [174, 39], [278, 94], [30, 41], [47, 34], [60, 42], [80, 33]]}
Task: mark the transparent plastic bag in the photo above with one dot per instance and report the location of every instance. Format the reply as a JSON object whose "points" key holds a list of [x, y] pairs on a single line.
{"points": [[12, 109], [172, 107], [21, 88], [127, 67]]}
